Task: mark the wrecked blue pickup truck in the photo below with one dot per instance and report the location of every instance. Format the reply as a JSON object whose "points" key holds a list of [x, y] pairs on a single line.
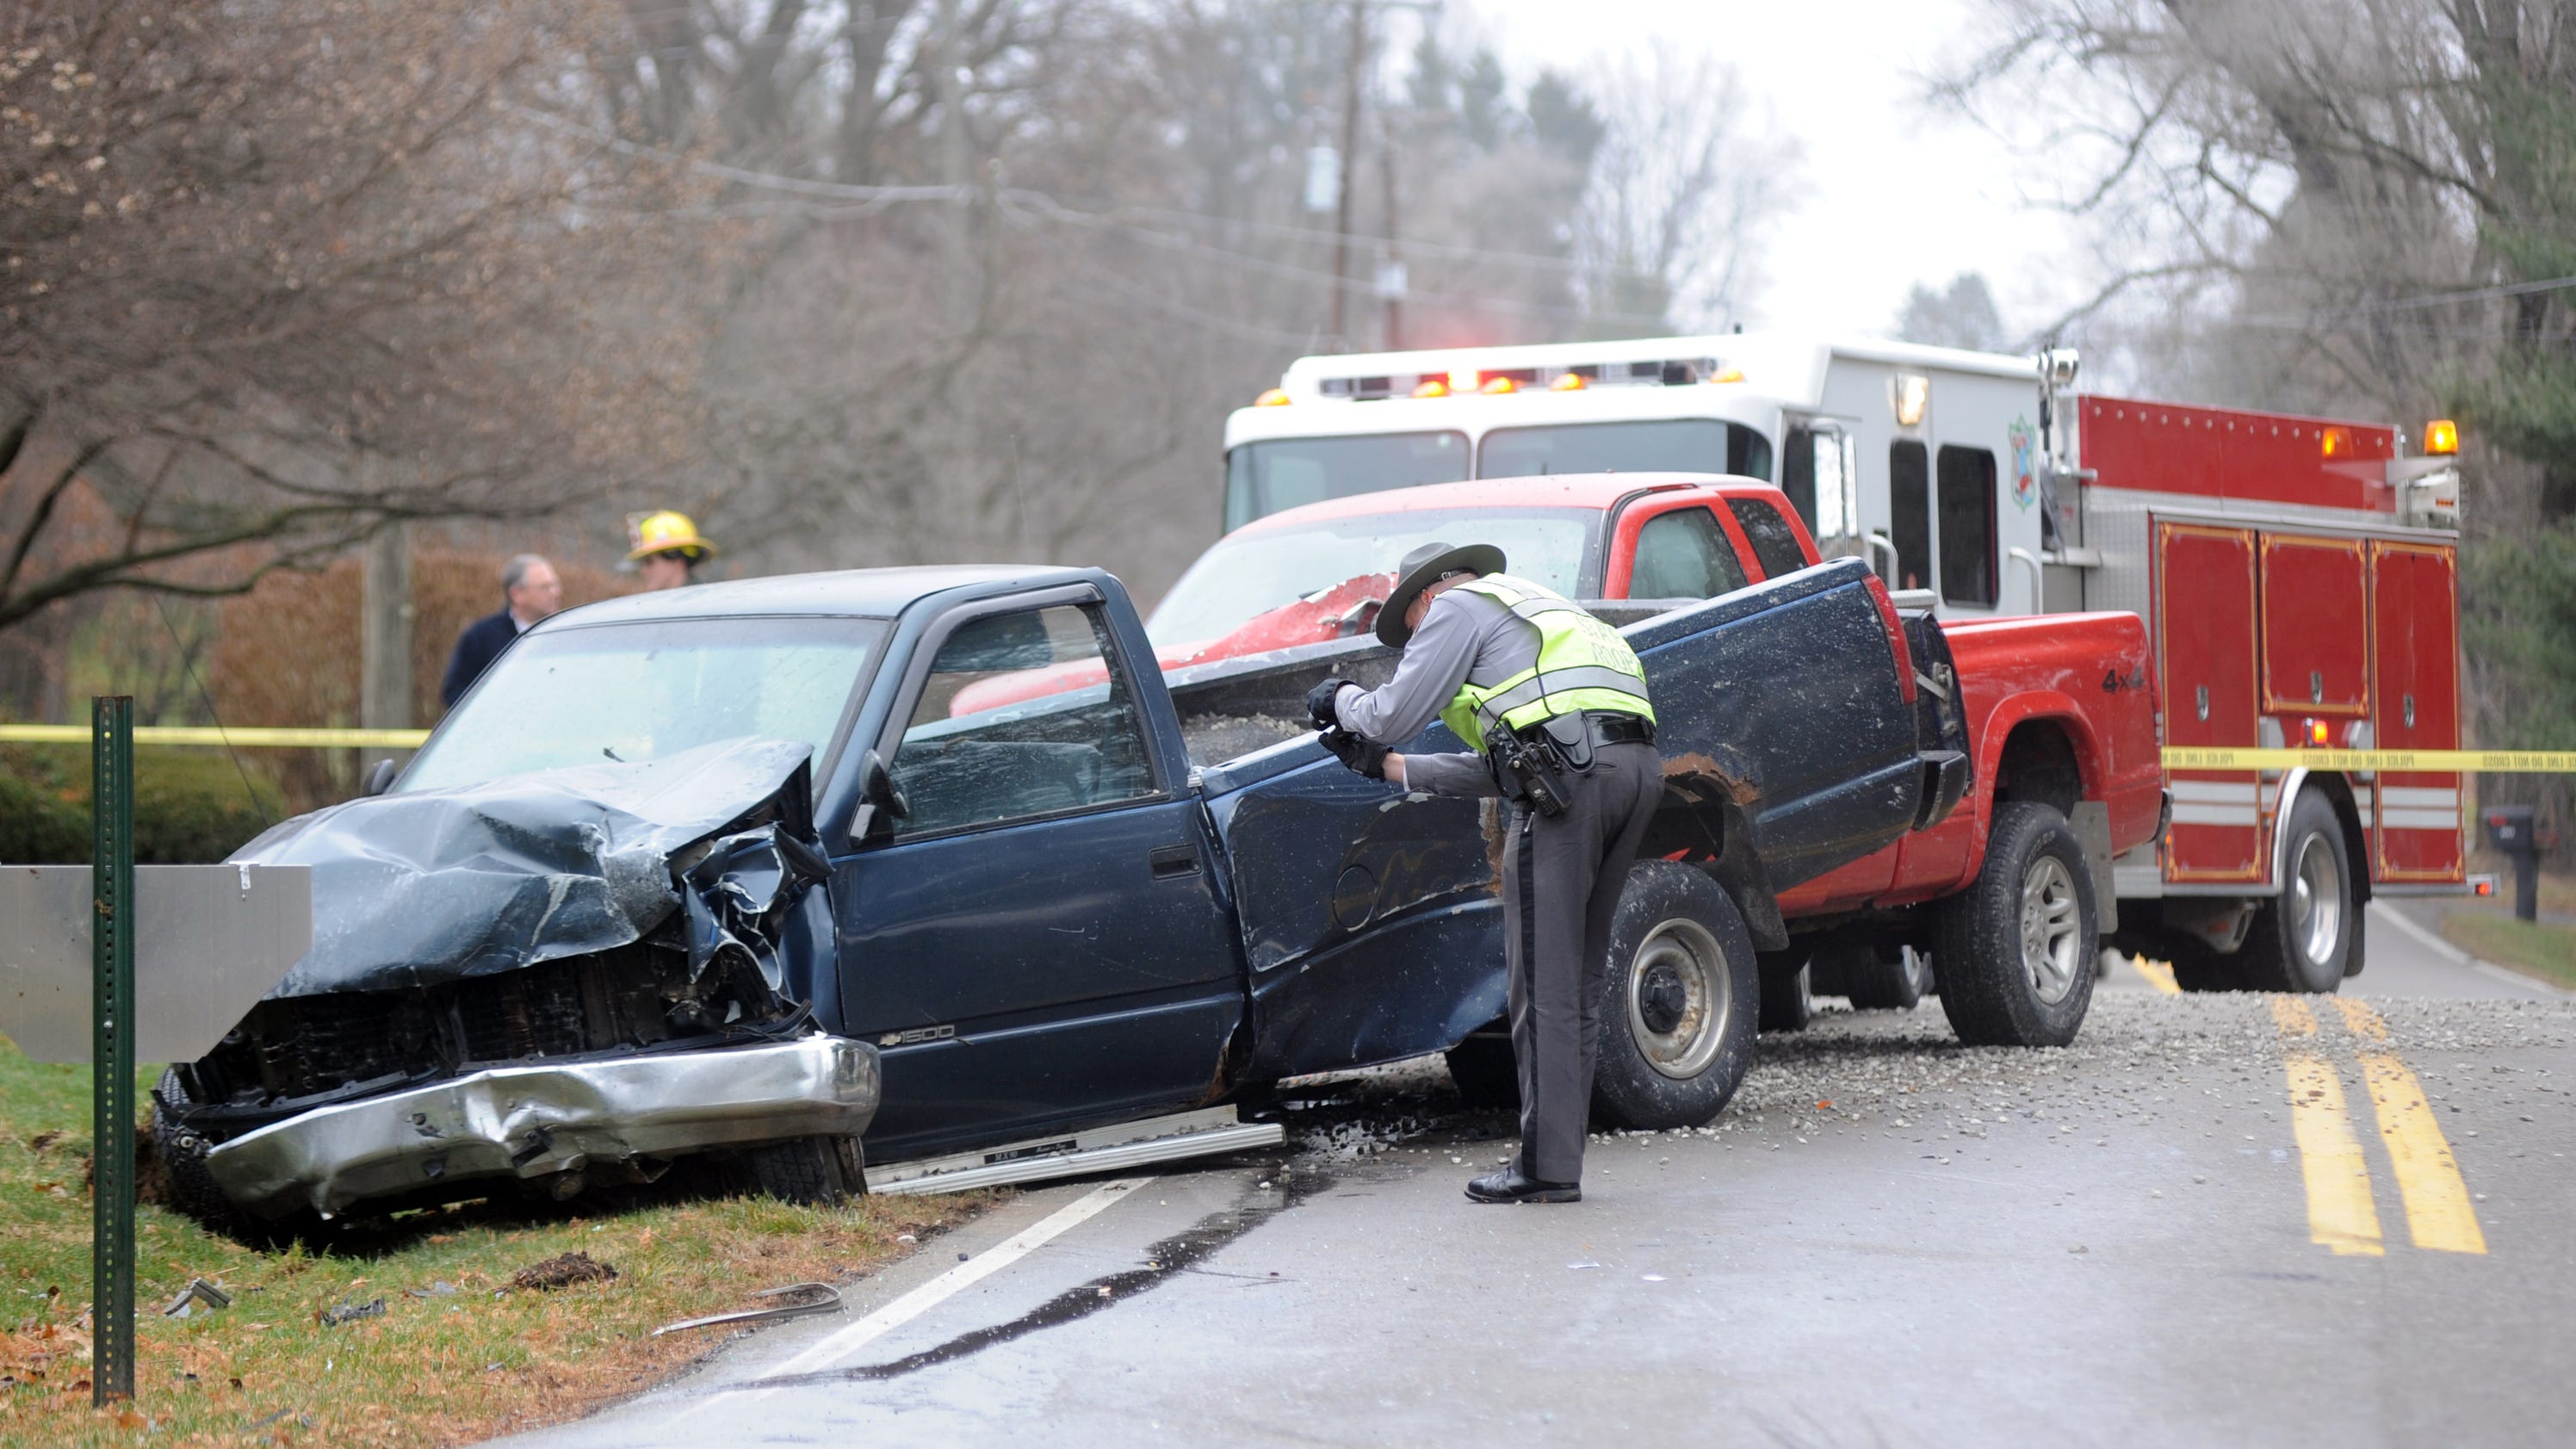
{"points": [[745, 870]]}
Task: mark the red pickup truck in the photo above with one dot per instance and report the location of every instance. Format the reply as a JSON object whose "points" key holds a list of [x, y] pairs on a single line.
{"points": [[2058, 712]]}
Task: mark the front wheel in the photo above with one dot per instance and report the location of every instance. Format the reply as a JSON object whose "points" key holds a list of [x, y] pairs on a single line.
{"points": [[2304, 938], [2016, 949], [1677, 1004], [816, 1170]]}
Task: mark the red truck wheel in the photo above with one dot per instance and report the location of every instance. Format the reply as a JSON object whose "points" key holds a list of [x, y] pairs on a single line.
{"points": [[2302, 939], [2016, 949], [1677, 1007]]}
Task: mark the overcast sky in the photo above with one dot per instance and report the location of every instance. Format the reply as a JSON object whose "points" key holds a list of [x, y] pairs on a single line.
{"points": [[1896, 192]]}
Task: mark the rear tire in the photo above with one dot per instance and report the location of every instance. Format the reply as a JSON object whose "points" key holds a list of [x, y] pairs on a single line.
{"points": [[2302, 939], [2017, 946], [2197, 968], [1891, 979], [819, 1171], [1676, 1023]]}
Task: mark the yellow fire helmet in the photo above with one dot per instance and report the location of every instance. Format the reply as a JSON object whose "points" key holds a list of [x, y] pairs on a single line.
{"points": [[663, 532]]}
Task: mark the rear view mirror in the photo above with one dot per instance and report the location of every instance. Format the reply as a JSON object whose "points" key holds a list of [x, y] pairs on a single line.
{"points": [[381, 778], [881, 801]]}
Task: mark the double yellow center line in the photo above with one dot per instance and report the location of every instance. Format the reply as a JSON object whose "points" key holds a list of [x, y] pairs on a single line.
{"points": [[2342, 1213]]}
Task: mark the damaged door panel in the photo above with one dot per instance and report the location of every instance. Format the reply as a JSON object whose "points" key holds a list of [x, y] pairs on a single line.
{"points": [[1370, 918], [1036, 939]]}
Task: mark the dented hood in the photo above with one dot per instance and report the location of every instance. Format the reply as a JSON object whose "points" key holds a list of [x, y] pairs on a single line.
{"points": [[415, 889]]}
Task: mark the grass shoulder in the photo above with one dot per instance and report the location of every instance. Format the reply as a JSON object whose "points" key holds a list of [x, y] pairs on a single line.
{"points": [[455, 1355], [2543, 948]]}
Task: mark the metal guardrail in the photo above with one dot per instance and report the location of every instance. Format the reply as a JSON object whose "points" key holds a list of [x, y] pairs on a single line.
{"points": [[2493, 762], [247, 738]]}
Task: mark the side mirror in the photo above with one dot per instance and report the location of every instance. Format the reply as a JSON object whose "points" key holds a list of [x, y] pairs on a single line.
{"points": [[381, 778], [881, 801]]}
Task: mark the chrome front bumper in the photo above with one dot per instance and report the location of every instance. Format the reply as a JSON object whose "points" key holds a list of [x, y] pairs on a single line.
{"points": [[538, 1120]]}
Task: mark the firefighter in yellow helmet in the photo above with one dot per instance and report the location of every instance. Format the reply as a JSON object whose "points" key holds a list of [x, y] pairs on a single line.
{"points": [[666, 548]]}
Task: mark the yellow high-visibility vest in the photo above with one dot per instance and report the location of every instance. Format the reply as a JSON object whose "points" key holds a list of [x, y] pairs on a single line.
{"points": [[1582, 664]]}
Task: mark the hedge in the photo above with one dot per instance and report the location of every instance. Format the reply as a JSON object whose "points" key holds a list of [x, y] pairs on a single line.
{"points": [[190, 806]]}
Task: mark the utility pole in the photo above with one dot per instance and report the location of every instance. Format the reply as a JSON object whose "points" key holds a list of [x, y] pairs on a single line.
{"points": [[1354, 84], [1391, 278], [1357, 78], [384, 622], [957, 166]]}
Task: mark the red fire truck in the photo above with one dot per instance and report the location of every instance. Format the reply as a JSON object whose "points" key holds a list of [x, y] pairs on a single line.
{"points": [[2298, 574]]}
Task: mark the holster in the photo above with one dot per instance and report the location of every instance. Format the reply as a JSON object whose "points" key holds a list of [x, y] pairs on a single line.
{"points": [[1532, 768]]}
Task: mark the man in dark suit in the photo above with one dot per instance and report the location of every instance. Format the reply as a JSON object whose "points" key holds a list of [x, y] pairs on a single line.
{"points": [[531, 592]]}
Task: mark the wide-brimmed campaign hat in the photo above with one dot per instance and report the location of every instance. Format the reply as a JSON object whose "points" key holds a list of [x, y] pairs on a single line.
{"points": [[1420, 570]]}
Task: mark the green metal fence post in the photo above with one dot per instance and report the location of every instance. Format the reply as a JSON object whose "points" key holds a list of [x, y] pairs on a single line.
{"points": [[112, 1049]]}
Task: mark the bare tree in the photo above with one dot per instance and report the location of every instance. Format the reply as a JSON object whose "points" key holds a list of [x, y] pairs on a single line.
{"points": [[278, 274], [1961, 314], [1680, 194]]}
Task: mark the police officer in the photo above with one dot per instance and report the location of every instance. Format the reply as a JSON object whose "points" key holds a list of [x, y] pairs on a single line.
{"points": [[1553, 703]]}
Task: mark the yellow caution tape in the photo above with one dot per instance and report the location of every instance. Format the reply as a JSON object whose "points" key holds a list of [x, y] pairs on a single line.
{"points": [[2495, 762], [246, 738]]}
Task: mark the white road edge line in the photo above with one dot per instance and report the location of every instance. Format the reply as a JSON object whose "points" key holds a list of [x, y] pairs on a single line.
{"points": [[2455, 955], [931, 1294]]}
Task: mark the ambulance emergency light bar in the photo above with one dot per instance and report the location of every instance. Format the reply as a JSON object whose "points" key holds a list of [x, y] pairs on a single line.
{"points": [[1453, 381]]}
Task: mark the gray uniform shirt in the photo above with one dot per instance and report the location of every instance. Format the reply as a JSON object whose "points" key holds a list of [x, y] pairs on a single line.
{"points": [[1465, 638]]}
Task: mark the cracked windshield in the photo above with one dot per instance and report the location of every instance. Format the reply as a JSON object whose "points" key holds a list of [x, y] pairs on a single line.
{"points": [[630, 692]]}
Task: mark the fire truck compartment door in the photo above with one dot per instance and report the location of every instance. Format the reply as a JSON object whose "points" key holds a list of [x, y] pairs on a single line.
{"points": [[2314, 660], [2205, 628], [2413, 817]]}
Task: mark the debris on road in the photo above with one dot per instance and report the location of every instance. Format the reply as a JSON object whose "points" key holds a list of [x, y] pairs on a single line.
{"points": [[198, 1291], [562, 1271], [811, 1298], [340, 1313]]}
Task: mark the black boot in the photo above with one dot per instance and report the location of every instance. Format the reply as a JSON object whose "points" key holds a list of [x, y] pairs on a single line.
{"points": [[1511, 1185]]}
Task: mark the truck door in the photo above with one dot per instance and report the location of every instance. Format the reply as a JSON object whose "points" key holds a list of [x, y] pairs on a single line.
{"points": [[2204, 590], [1037, 940], [2414, 617]]}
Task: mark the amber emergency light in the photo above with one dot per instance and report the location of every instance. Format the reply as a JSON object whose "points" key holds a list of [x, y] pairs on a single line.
{"points": [[1276, 397], [2441, 437]]}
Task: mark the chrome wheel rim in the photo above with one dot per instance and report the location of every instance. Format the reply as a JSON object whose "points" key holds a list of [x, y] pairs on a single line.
{"points": [[1679, 999], [2051, 921], [2316, 901]]}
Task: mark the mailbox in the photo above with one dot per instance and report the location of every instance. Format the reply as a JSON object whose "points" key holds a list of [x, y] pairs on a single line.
{"points": [[2509, 829]]}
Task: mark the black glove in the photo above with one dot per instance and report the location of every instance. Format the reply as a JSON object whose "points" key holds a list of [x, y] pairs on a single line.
{"points": [[1319, 703], [1356, 753]]}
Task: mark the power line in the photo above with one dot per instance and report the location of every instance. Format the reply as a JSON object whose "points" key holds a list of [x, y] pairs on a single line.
{"points": [[868, 199], [2410, 304]]}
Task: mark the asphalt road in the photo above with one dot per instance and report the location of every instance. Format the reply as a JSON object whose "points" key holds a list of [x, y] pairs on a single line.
{"points": [[2216, 1220]]}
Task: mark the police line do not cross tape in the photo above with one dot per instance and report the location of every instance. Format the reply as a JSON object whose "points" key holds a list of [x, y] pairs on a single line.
{"points": [[2176, 757], [2490, 762], [251, 737]]}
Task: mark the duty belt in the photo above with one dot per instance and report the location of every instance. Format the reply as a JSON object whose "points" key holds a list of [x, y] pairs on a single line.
{"points": [[1609, 727]]}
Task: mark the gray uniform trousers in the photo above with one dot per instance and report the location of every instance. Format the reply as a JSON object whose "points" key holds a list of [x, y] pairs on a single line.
{"points": [[1561, 882]]}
